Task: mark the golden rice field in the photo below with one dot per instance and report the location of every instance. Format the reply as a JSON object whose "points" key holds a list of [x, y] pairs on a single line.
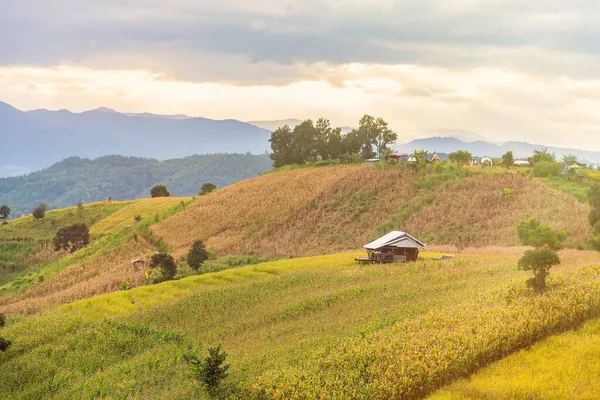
{"points": [[123, 218], [336, 329], [565, 367], [314, 211]]}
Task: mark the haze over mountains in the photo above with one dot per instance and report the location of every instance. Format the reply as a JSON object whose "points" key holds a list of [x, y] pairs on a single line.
{"points": [[36, 139]]}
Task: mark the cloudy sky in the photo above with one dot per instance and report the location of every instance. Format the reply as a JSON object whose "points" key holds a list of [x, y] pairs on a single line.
{"points": [[506, 69]]}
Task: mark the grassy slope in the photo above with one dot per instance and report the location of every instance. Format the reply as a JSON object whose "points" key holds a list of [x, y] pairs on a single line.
{"points": [[561, 367], [330, 313], [313, 211], [99, 268]]}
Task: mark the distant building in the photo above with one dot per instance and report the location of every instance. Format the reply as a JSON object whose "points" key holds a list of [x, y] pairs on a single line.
{"points": [[395, 246], [400, 158], [521, 163]]}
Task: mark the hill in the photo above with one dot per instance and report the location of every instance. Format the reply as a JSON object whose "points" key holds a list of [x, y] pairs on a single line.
{"points": [[312, 211], [75, 179], [485, 148], [36, 139]]}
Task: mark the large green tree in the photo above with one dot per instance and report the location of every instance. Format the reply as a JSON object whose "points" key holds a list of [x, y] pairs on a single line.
{"points": [[4, 212], [197, 255], [159, 191], [71, 238], [542, 155], [282, 146], [539, 261], [508, 159], [374, 136], [40, 211]]}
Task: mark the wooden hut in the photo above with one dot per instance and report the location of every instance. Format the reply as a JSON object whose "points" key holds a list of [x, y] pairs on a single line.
{"points": [[396, 246], [138, 263]]}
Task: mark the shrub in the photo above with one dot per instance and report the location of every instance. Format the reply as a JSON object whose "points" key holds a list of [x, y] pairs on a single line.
{"points": [[206, 188], [166, 265], [71, 238], [197, 255], [159, 191], [532, 233], [211, 370], [137, 218], [40, 211], [539, 261], [2, 320], [4, 344], [545, 169]]}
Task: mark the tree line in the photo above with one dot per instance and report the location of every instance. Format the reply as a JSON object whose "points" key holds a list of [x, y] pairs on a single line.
{"points": [[309, 142]]}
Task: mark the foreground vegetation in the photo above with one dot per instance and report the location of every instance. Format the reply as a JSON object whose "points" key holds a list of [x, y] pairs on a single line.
{"points": [[337, 329], [562, 367]]}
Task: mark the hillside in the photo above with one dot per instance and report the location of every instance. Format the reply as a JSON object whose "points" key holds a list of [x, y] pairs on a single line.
{"points": [[336, 329], [314, 211], [36, 139], [75, 179]]}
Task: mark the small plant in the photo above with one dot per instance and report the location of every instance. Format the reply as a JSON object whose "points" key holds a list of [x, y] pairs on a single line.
{"points": [[506, 192], [137, 218], [124, 286], [539, 261], [211, 370], [41, 278]]}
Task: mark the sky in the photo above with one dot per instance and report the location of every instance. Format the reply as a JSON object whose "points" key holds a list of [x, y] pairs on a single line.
{"points": [[506, 69]]}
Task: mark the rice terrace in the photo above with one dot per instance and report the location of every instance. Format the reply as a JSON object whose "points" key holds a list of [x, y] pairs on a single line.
{"points": [[299, 200], [302, 319]]}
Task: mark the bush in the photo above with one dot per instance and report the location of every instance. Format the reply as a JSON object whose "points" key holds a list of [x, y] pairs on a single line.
{"points": [[206, 188], [166, 265], [159, 191], [197, 255], [72, 238], [2, 320], [4, 344], [545, 169], [532, 233], [539, 261], [137, 218], [40, 211], [210, 370]]}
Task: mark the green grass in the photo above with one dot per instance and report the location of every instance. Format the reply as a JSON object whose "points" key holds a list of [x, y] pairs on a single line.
{"points": [[562, 367], [273, 318], [579, 190]]}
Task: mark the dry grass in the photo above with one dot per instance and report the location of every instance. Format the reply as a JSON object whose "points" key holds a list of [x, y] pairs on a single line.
{"points": [[473, 212], [323, 210], [99, 275], [302, 212]]}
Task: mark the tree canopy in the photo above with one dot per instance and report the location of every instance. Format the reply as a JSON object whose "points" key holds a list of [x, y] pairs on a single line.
{"points": [[159, 191], [71, 238], [197, 255], [508, 159], [309, 142], [40, 211], [166, 264], [207, 187], [539, 261], [460, 157], [542, 155], [4, 212], [532, 232]]}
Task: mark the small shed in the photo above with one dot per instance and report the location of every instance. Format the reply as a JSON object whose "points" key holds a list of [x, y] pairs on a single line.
{"points": [[400, 158], [521, 163], [395, 246], [138, 263]]}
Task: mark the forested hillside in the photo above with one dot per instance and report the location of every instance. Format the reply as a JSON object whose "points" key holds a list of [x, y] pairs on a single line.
{"points": [[83, 180]]}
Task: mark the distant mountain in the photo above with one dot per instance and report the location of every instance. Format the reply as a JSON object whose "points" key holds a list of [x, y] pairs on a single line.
{"points": [[460, 134], [36, 139], [80, 179], [483, 148]]}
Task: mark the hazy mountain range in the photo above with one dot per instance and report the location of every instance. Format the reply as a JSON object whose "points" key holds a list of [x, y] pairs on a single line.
{"points": [[483, 148], [36, 139]]}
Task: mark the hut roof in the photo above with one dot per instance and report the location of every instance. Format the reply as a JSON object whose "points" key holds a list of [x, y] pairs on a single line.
{"points": [[396, 239]]}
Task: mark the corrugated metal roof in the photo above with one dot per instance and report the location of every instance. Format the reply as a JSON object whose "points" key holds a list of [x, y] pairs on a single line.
{"points": [[396, 239]]}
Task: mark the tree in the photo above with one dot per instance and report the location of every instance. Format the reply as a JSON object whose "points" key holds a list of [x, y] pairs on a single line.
{"points": [[539, 261], [211, 370], [4, 213], [4, 344], [2, 320], [531, 232], [72, 238], [569, 159], [508, 159], [460, 157], [372, 133], [166, 265], [544, 169], [40, 211], [420, 155], [543, 154], [207, 187], [282, 146], [159, 191], [594, 200], [197, 255]]}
